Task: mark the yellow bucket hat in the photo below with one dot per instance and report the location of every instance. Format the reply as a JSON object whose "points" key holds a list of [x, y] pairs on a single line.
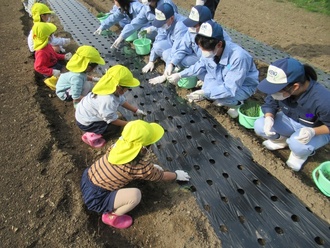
{"points": [[135, 135], [83, 56], [116, 75], [38, 9], [41, 32]]}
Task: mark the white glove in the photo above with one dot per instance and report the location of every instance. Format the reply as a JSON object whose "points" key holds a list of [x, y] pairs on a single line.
{"points": [[117, 42], [200, 2], [196, 96], [168, 70], [158, 167], [182, 175], [269, 123], [95, 79], [98, 31], [174, 78], [150, 29], [305, 135], [66, 41], [157, 80], [56, 73], [142, 34], [62, 50], [67, 56], [140, 112], [148, 67]]}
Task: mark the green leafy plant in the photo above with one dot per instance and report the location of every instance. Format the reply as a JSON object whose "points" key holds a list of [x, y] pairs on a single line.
{"points": [[250, 108], [99, 15]]}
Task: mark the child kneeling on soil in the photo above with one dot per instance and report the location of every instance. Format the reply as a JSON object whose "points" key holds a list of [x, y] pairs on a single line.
{"points": [[41, 13], [102, 183], [96, 113], [75, 84], [46, 59]]}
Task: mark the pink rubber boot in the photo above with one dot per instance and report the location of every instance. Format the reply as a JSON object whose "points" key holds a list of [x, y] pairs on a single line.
{"points": [[120, 222], [93, 139]]}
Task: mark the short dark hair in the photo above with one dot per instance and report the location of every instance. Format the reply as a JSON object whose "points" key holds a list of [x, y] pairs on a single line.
{"points": [[206, 42], [93, 65]]}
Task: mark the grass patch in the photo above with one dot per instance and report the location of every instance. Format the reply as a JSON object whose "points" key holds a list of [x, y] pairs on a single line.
{"points": [[318, 6]]}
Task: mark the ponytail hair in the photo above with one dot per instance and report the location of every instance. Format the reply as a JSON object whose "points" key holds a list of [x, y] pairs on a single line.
{"points": [[310, 73]]}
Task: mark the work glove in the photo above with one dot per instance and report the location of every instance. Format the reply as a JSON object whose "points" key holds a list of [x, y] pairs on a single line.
{"points": [[142, 34], [150, 29], [182, 175], [95, 79], [66, 41], [168, 70], [174, 78], [98, 31], [305, 135], [158, 167], [117, 42], [157, 80], [56, 73], [196, 96], [67, 56], [140, 112], [200, 2], [269, 123], [148, 67]]}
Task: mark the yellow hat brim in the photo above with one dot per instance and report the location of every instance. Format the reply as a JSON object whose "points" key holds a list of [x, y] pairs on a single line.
{"points": [[125, 151], [83, 57], [41, 32], [116, 75]]}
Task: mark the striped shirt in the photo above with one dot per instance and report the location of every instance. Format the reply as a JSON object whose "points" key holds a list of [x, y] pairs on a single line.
{"points": [[113, 177]]}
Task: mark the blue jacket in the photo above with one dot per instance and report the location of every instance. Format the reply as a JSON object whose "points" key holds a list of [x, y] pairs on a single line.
{"points": [[116, 16], [311, 109], [144, 18], [187, 46], [173, 35], [235, 71], [70, 80]]}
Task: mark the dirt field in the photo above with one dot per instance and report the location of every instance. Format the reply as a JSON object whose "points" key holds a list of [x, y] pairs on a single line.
{"points": [[42, 155]]}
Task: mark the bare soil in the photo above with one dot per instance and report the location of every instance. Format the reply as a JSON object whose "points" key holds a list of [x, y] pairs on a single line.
{"points": [[42, 155]]}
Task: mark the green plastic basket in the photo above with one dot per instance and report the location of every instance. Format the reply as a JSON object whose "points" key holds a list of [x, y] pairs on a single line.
{"points": [[187, 82], [132, 37], [142, 46], [248, 121], [103, 17], [321, 176]]}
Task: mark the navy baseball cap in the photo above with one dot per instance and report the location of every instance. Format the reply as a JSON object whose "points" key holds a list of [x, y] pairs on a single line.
{"points": [[281, 73], [162, 14], [211, 29], [198, 14]]}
